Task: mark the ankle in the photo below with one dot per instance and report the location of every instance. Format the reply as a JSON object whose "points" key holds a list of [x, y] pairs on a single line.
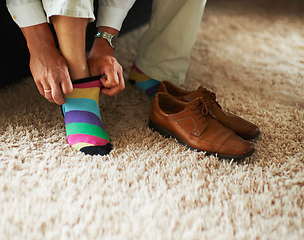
{"points": [[79, 73], [142, 81]]}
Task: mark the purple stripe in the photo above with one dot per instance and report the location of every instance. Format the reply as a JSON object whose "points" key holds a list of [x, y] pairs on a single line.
{"points": [[152, 90], [84, 117]]}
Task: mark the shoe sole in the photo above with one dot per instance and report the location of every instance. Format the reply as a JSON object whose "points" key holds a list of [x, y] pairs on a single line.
{"points": [[256, 137], [166, 133]]}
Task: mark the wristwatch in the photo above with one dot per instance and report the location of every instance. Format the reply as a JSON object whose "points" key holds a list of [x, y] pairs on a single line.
{"points": [[112, 39]]}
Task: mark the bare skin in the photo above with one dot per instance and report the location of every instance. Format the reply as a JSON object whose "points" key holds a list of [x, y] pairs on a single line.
{"points": [[48, 66], [54, 70], [71, 37], [101, 61]]}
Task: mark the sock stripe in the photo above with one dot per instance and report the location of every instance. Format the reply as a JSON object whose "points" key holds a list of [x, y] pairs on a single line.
{"points": [[142, 81], [84, 117], [136, 68], [95, 83], [138, 77], [78, 138], [86, 128], [152, 90], [80, 145], [147, 84], [85, 93], [82, 104]]}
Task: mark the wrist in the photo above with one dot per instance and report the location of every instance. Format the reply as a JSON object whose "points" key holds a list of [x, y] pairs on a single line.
{"points": [[102, 46], [38, 36], [107, 36], [108, 30]]}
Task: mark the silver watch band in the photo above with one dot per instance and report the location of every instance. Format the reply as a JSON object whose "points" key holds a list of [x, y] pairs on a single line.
{"points": [[112, 40]]}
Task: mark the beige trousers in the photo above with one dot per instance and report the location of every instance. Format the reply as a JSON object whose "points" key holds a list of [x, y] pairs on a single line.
{"points": [[164, 49]]}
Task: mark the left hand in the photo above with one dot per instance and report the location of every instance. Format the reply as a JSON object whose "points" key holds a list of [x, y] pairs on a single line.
{"points": [[102, 61]]}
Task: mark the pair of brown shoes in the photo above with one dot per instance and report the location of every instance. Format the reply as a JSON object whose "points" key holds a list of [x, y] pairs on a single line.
{"points": [[197, 121]]}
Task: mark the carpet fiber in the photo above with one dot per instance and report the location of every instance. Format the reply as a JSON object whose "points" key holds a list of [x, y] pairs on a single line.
{"points": [[251, 54]]}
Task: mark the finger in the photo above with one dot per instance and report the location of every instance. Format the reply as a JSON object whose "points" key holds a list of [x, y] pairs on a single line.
{"points": [[66, 85], [59, 84], [102, 80], [47, 91], [121, 80], [111, 80], [57, 94], [40, 88], [113, 91], [110, 91], [109, 83]]}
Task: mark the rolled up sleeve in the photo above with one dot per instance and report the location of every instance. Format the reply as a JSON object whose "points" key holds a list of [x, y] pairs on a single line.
{"points": [[111, 13], [26, 13]]}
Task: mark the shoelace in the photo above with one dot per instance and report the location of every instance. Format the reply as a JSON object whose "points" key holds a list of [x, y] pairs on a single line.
{"points": [[204, 109], [210, 97]]}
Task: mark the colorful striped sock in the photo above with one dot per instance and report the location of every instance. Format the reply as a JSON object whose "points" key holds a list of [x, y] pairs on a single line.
{"points": [[84, 128], [142, 81]]}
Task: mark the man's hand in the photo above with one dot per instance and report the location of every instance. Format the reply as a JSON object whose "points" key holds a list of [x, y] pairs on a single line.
{"points": [[48, 67], [102, 61]]}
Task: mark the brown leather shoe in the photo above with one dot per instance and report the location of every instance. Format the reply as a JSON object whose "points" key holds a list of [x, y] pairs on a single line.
{"points": [[240, 126], [193, 126]]}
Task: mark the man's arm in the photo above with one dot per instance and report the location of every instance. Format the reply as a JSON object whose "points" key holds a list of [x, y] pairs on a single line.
{"points": [[102, 61], [48, 67]]}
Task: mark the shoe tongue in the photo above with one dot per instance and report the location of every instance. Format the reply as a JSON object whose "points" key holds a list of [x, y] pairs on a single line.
{"points": [[197, 102], [200, 105], [195, 94]]}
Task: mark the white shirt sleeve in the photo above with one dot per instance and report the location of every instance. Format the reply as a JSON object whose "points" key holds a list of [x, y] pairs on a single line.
{"points": [[26, 12], [111, 13]]}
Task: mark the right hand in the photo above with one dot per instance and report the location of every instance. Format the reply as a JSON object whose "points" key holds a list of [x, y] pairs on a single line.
{"points": [[50, 72], [48, 67], [102, 61]]}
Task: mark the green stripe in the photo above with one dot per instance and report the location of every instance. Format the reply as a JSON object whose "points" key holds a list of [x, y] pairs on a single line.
{"points": [[86, 128]]}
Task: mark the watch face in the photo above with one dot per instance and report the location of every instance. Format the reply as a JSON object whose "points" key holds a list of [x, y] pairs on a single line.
{"points": [[113, 41]]}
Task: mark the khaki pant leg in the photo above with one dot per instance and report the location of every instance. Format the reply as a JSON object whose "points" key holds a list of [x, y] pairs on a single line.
{"points": [[164, 49]]}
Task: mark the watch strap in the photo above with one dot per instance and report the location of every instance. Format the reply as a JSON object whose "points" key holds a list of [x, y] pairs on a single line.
{"points": [[108, 36]]}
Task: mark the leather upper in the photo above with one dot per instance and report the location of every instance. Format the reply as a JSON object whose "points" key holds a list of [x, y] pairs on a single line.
{"points": [[192, 123], [237, 124]]}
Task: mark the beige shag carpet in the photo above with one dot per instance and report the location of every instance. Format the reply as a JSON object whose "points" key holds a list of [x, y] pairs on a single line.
{"points": [[251, 54]]}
